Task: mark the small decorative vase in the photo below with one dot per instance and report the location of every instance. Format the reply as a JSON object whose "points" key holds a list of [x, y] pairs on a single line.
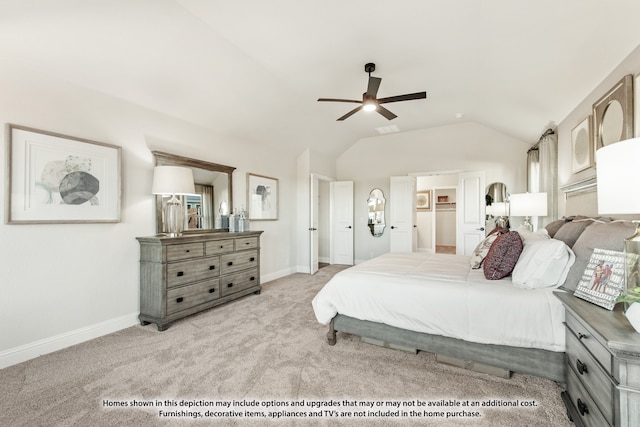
{"points": [[633, 315]]}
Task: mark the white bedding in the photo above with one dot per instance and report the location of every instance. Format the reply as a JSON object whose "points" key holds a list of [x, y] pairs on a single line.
{"points": [[440, 294]]}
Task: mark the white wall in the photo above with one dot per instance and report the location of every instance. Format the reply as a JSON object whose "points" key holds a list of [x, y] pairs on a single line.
{"points": [[61, 284], [466, 147]]}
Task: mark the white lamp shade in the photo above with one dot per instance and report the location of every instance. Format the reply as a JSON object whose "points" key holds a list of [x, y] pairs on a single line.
{"points": [[172, 180], [500, 209], [528, 204], [617, 176]]}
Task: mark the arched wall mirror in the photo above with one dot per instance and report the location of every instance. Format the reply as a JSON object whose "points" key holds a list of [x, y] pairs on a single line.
{"points": [[214, 188], [496, 193], [375, 203]]}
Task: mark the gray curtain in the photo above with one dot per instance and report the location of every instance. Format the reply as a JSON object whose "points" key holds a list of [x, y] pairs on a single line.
{"points": [[542, 174]]}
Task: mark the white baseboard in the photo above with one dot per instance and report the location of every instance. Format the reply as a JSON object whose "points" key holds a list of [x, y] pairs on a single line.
{"points": [[278, 274], [58, 342]]}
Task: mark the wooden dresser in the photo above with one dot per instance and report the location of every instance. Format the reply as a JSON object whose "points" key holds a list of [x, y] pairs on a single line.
{"points": [[603, 357], [181, 276]]}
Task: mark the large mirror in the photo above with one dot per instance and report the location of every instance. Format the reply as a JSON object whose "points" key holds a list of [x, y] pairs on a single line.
{"points": [[375, 203], [208, 209], [497, 205], [496, 193]]}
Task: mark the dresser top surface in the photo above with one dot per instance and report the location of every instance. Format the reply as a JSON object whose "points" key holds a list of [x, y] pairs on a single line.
{"points": [[612, 325], [197, 237]]}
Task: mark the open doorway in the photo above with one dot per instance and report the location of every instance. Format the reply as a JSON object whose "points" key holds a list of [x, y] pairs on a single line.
{"points": [[437, 224]]}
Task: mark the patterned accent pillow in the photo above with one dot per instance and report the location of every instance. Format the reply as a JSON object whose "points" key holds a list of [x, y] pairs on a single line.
{"points": [[480, 252], [503, 255]]}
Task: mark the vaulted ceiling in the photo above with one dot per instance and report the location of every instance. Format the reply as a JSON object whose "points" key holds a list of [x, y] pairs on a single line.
{"points": [[253, 69]]}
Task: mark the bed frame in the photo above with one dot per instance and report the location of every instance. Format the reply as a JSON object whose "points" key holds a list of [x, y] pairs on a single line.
{"points": [[532, 361]]}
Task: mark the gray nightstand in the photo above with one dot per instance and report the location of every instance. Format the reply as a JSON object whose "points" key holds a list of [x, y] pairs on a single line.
{"points": [[603, 357]]}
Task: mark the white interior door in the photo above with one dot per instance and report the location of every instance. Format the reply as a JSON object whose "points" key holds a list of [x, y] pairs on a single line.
{"points": [[313, 224], [470, 211], [403, 235], [341, 208]]}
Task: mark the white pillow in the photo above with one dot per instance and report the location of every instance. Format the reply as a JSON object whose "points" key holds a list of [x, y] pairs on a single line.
{"points": [[543, 263], [528, 235]]}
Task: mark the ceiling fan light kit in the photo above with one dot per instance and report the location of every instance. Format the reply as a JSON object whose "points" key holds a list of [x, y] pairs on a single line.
{"points": [[370, 102]]}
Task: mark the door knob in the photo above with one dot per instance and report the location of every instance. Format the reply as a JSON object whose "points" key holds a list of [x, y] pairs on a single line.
{"points": [[348, 226], [480, 229], [312, 229]]}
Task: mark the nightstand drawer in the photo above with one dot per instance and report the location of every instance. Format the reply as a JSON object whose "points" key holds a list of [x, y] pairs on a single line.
{"points": [[186, 297], [237, 282], [586, 336], [184, 251], [590, 373], [181, 273], [586, 407], [231, 263], [215, 247]]}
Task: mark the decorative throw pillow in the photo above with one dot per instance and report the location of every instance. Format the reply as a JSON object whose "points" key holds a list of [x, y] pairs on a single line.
{"points": [[478, 254], [553, 227], [543, 264], [503, 255], [570, 231]]}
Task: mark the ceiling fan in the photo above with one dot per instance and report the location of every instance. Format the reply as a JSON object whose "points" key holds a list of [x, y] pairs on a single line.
{"points": [[370, 102]]}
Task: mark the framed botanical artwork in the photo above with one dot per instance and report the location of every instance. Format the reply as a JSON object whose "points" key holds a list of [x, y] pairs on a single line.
{"points": [[54, 178], [262, 197], [603, 278], [613, 114], [423, 200], [581, 150]]}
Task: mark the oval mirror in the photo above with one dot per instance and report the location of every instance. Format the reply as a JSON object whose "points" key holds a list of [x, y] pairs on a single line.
{"points": [[208, 209], [375, 204]]}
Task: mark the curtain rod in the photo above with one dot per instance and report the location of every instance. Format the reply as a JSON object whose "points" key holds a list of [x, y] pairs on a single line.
{"points": [[543, 136]]}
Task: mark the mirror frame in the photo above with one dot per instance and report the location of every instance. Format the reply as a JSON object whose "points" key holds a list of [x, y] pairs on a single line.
{"points": [[167, 159]]}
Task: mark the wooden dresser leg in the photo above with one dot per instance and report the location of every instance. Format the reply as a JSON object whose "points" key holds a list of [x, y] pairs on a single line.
{"points": [[331, 335]]}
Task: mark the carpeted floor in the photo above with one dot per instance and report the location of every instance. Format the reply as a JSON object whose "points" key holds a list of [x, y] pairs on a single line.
{"points": [[262, 360]]}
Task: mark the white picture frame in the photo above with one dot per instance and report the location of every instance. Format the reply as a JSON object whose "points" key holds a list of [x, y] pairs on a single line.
{"points": [[582, 146], [262, 197]]}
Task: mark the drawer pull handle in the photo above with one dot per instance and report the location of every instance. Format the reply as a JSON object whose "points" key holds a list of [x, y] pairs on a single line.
{"points": [[252, 278], [221, 246], [230, 263], [582, 368], [582, 407], [212, 290], [212, 267], [180, 273], [252, 259], [179, 299], [247, 243], [229, 285], [581, 336]]}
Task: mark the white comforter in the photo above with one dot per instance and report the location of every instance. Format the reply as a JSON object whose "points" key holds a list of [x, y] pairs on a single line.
{"points": [[440, 294]]}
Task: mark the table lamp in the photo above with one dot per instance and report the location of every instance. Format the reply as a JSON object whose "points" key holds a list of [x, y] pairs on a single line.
{"points": [[173, 181], [528, 205]]}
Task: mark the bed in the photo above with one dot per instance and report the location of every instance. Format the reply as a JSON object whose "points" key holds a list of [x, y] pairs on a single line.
{"points": [[440, 304]]}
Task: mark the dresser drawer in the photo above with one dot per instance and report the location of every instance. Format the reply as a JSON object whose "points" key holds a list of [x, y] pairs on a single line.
{"points": [[246, 243], [590, 373], [182, 273], [185, 297], [237, 282], [216, 247], [231, 263], [586, 407], [587, 337], [184, 251]]}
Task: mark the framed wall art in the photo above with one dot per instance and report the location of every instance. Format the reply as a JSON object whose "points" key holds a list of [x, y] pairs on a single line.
{"points": [[613, 114], [423, 200], [581, 146], [262, 197], [54, 178]]}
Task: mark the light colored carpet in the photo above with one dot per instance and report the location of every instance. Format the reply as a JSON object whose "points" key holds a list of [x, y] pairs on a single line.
{"points": [[265, 348]]}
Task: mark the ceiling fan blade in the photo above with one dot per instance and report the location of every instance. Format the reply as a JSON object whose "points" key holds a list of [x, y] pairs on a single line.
{"points": [[374, 85], [338, 100], [388, 114], [407, 97], [349, 114]]}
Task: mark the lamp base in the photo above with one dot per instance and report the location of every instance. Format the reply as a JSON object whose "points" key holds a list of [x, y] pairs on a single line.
{"points": [[527, 223], [173, 217]]}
